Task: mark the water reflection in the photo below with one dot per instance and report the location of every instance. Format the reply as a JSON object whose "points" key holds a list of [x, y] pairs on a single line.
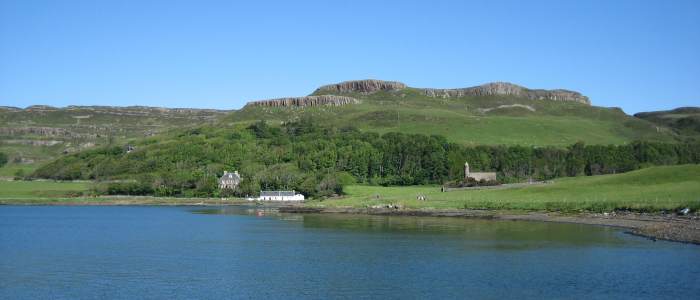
{"points": [[480, 233], [89, 252], [257, 211]]}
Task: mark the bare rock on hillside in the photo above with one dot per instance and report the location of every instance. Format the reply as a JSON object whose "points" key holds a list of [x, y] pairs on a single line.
{"points": [[508, 89], [324, 100], [362, 86], [43, 131]]}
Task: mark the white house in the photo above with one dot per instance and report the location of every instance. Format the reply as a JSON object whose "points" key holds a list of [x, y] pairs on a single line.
{"points": [[279, 196]]}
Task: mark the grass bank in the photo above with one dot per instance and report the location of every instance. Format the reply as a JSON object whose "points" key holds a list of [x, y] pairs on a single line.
{"points": [[651, 189], [69, 193], [40, 189]]}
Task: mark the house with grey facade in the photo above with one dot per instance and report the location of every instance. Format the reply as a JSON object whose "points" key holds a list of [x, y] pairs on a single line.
{"points": [[229, 180]]}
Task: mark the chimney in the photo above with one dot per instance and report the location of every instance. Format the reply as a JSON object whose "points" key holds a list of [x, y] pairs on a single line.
{"points": [[466, 170]]}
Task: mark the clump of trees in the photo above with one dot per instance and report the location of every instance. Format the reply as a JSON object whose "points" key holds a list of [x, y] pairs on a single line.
{"points": [[319, 160]]}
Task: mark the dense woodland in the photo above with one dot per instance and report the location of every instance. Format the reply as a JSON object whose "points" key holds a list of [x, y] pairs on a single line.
{"points": [[319, 161]]}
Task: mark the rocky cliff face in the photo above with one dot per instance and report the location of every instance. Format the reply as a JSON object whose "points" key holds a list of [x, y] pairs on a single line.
{"points": [[330, 100], [508, 89], [362, 86], [490, 89]]}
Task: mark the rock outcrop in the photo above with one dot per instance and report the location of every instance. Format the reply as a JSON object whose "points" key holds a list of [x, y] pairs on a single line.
{"points": [[41, 108], [508, 89], [362, 86], [118, 110], [323, 100], [528, 107], [43, 131], [33, 142]]}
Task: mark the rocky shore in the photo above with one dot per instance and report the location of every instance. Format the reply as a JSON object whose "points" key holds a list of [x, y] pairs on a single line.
{"points": [[671, 227]]}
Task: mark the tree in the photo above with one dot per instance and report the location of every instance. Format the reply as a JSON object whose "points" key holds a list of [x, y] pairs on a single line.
{"points": [[575, 160], [3, 159], [19, 174]]}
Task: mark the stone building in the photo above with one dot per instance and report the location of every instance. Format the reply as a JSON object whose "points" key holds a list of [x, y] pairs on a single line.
{"points": [[478, 176], [230, 180]]}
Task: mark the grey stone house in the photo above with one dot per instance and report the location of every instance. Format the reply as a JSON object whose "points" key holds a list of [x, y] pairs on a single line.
{"points": [[229, 180]]}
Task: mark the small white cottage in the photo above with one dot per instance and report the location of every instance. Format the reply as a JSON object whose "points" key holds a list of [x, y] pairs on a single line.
{"points": [[279, 196]]}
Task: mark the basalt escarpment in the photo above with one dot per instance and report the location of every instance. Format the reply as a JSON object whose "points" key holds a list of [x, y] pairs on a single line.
{"points": [[508, 89], [370, 86], [323, 100], [362, 86]]}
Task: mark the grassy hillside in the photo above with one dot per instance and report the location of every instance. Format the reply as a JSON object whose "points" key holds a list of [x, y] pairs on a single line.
{"points": [[685, 120], [656, 188], [472, 120], [316, 160], [37, 134]]}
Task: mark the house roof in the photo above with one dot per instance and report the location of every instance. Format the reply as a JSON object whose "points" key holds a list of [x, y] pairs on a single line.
{"points": [[231, 176]]}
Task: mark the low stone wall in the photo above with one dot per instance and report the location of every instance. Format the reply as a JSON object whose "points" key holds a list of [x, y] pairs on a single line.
{"points": [[495, 187], [488, 176]]}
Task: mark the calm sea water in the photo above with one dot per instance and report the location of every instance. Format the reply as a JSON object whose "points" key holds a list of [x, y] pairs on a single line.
{"points": [[189, 252]]}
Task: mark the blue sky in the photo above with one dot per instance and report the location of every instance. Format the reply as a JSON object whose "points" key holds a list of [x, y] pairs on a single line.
{"points": [[638, 55]]}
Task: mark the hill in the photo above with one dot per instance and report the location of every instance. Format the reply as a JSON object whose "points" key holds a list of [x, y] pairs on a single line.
{"points": [[495, 113], [684, 120], [40, 133], [491, 114], [317, 160]]}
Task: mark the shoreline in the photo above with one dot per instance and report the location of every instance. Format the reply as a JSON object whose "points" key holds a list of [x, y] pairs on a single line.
{"points": [[121, 201], [655, 226]]}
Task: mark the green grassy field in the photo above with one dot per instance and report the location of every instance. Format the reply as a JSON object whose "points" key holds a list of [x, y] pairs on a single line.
{"points": [[651, 189], [64, 193], [9, 170], [40, 189]]}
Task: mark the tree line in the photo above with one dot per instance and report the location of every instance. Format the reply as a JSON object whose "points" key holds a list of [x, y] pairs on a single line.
{"points": [[319, 160]]}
